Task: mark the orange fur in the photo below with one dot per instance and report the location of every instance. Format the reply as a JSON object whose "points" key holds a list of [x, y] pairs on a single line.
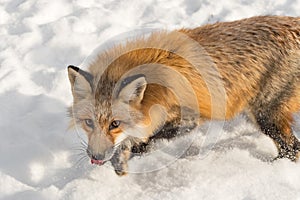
{"points": [[216, 70]]}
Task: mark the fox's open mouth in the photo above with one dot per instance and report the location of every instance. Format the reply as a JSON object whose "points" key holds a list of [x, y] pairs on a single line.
{"points": [[97, 162]]}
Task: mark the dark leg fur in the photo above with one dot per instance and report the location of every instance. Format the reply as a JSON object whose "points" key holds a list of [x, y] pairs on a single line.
{"points": [[272, 115], [287, 144], [168, 131], [271, 108]]}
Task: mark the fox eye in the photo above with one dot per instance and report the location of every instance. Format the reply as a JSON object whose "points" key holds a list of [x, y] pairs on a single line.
{"points": [[114, 124], [89, 123]]}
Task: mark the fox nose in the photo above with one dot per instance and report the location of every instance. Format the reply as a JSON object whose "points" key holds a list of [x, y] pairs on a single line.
{"points": [[95, 156], [98, 157]]}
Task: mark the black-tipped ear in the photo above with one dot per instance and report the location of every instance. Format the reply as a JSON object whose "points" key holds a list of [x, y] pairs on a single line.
{"points": [[72, 73], [133, 89], [85, 74], [81, 81]]}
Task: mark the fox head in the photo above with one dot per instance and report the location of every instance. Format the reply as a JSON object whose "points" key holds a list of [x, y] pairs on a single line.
{"points": [[132, 92], [113, 115]]}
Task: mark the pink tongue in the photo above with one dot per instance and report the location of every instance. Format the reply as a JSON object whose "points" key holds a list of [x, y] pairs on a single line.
{"points": [[97, 162]]}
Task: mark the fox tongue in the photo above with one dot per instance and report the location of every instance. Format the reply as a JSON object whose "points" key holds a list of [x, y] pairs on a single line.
{"points": [[97, 162]]}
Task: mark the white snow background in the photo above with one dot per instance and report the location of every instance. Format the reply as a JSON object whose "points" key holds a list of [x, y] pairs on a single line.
{"points": [[39, 157]]}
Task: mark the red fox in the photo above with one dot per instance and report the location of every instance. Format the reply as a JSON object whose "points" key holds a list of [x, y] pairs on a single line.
{"points": [[167, 83]]}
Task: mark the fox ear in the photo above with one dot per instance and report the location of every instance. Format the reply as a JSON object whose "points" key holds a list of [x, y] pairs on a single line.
{"points": [[133, 89], [81, 82]]}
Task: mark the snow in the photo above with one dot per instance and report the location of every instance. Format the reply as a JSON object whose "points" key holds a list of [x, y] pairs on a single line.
{"points": [[41, 158]]}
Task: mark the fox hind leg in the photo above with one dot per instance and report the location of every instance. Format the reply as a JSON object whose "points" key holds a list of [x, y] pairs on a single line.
{"points": [[277, 125], [274, 105]]}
